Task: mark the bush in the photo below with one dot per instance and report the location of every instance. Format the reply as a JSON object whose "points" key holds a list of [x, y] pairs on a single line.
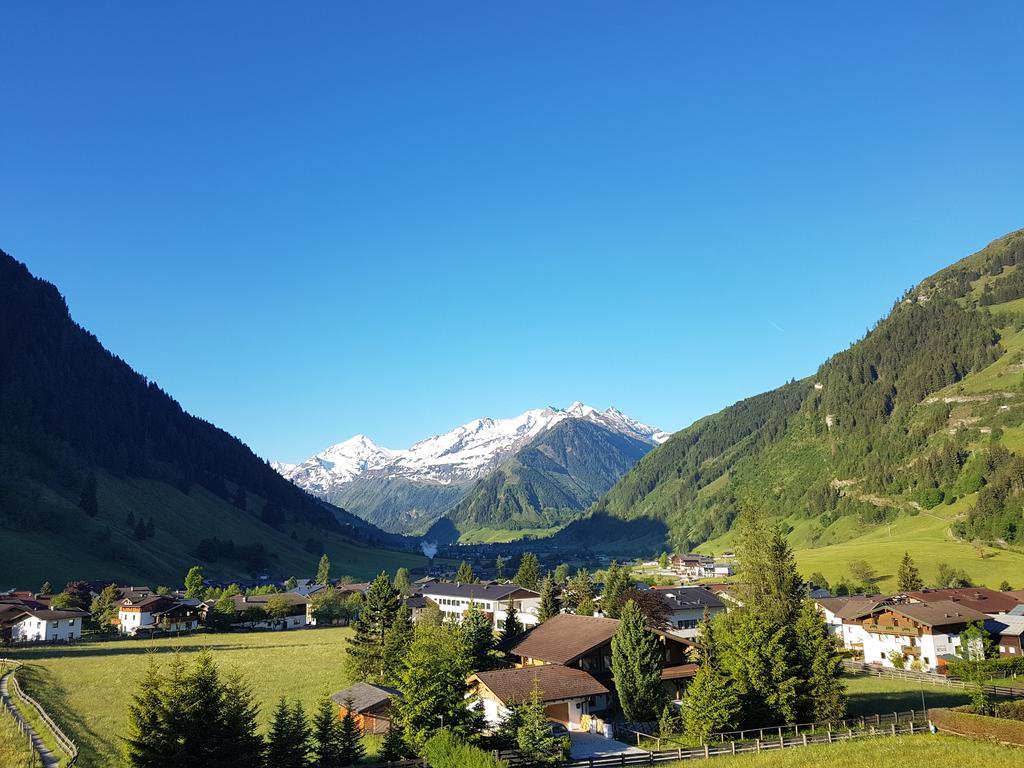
{"points": [[931, 497], [446, 750], [979, 726], [1010, 710], [1000, 667]]}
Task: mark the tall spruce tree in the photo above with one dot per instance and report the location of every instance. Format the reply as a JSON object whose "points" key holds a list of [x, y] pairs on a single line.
{"points": [[478, 635], [350, 739], [528, 575], [148, 741], [534, 740], [397, 639], [241, 744], [579, 594], [393, 749], [434, 690], [326, 737], [465, 574], [548, 601], [711, 703], [511, 628], [823, 690], [323, 569], [636, 665], [366, 646], [288, 740], [617, 582], [908, 577], [402, 583]]}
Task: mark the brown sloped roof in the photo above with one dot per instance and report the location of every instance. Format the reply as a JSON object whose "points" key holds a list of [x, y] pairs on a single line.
{"points": [[565, 637], [978, 598], [555, 682], [854, 607], [938, 614]]}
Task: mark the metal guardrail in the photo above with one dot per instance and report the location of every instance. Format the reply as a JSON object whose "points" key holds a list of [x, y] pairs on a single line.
{"points": [[66, 744], [737, 748]]}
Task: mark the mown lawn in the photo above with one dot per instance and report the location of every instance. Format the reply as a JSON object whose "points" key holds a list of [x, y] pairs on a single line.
{"points": [[904, 751], [87, 687], [875, 695]]}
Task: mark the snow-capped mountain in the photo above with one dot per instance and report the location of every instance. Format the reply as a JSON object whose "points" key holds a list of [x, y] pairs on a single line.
{"points": [[404, 489], [461, 455]]}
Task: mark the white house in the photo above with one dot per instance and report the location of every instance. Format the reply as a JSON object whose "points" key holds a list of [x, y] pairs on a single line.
{"points": [[844, 617], [252, 610], [157, 613], [48, 625], [687, 606], [921, 636], [454, 599], [566, 693]]}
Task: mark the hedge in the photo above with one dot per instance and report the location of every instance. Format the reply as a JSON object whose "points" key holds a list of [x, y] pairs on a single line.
{"points": [[980, 726], [994, 667], [446, 750]]}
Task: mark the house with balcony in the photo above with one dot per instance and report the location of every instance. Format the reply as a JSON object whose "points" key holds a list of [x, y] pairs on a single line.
{"points": [[844, 617], [921, 635], [977, 598], [495, 600], [687, 607], [145, 612]]}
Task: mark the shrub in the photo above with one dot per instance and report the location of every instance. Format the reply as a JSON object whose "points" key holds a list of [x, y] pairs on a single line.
{"points": [[1010, 710], [446, 750]]}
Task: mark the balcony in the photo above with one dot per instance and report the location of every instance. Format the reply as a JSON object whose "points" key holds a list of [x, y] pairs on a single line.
{"points": [[889, 629]]}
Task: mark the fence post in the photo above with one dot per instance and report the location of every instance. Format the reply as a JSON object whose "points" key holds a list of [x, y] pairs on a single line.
{"points": [[782, 740], [757, 744], [706, 753], [829, 735], [894, 729], [733, 743]]}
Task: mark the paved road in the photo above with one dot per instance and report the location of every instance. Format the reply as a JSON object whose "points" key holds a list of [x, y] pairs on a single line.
{"points": [[587, 745], [49, 759]]}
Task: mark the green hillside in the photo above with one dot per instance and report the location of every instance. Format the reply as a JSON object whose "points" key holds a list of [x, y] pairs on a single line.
{"points": [[909, 439], [548, 482], [103, 475]]}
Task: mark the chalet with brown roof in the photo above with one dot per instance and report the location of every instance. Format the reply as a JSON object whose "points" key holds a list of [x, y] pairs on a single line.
{"points": [[920, 635], [144, 612], [977, 598], [567, 693], [370, 706]]}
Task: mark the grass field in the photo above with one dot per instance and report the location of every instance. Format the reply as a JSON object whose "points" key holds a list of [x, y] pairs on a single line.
{"points": [[501, 536], [874, 695], [15, 751], [909, 751], [87, 687]]}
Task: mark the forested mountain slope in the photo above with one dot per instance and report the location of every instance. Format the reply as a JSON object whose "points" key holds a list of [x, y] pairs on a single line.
{"points": [[926, 408], [551, 480], [102, 474]]}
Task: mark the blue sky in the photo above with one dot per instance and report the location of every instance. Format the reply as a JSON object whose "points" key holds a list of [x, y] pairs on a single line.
{"points": [[335, 218]]}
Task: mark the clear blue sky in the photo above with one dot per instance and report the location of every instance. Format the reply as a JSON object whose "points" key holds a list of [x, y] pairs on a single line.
{"points": [[392, 218]]}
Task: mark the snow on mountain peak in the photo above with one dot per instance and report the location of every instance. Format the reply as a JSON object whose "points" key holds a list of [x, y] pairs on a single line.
{"points": [[463, 454]]}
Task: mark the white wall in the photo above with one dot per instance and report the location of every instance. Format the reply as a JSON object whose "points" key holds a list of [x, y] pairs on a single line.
{"points": [[33, 630]]}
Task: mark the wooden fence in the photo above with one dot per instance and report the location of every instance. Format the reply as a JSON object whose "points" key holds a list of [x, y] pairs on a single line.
{"points": [[66, 744], [859, 668], [739, 748]]}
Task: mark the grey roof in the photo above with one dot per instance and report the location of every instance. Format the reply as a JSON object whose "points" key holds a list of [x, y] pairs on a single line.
{"points": [[364, 696], [690, 598], [1005, 624], [1018, 611], [474, 591]]}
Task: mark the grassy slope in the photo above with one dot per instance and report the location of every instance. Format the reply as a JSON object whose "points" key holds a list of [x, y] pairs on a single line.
{"points": [[52, 556], [87, 687], [15, 751], [908, 751], [504, 535]]}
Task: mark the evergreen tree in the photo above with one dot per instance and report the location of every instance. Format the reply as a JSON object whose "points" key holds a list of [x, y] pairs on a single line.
{"points": [[327, 745], [130, 520], [562, 574], [194, 701], [366, 646], [534, 739], [908, 578], [434, 690], [241, 744], [1005, 586], [636, 665], [105, 607], [711, 703], [771, 584], [194, 582], [824, 694], [578, 596], [548, 601], [46, 589], [617, 583], [290, 584], [393, 749], [663, 561], [465, 574], [139, 534], [323, 570], [148, 741], [528, 575], [499, 568], [511, 628], [88, 501], [670, 722], [288, 740], [402, 583], [350, 740], [397, 640], [478, 635]]}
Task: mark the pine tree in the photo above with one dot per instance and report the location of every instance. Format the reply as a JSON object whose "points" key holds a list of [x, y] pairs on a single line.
{"points": [[105, 606], [194, 582], [350, 740], [88, 502], [824, 694], [670, 722], [241, 746], [772, 585], [534, 739], [478, 635], [434, 690], [548, 601], [617, 583], [710, 704], [510, 628], [195, 700], [46, 589], [908, 578], [139, 533], [528, 575], [130, 520], [323, 570], [402, 583], [327, 750], [397, 639], [393, 749], [465, 574], [366, 646], [148, 742], [499, 568], [286, 747], [578, 596], [636, 666]]}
